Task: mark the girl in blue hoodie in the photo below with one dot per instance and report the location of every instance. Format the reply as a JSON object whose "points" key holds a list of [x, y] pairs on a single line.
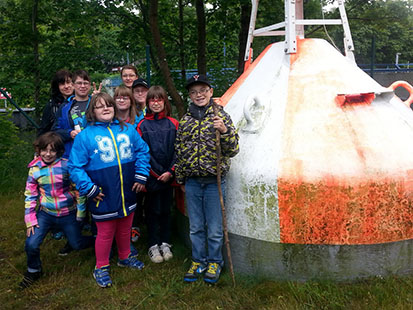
{"points": [[109, 163]]}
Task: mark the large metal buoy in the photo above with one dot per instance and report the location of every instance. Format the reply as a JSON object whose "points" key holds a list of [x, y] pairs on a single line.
{"points": [[323, 185]]}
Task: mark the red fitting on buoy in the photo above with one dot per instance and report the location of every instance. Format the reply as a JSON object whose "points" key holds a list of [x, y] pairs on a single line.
{"points": [[407, 87], [353, 99]]}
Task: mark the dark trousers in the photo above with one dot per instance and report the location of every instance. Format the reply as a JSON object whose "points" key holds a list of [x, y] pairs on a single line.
{"points": [[47, 222], [158, 216]]}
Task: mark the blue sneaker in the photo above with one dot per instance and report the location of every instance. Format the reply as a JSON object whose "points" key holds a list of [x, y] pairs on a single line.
{"points": [[131, 262], [194, 272], [133, 251], [102, 277], [213, 273]]}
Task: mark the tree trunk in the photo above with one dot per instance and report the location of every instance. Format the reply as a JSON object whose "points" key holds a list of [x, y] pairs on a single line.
{"points": [[181, 43], [200, 14], [35, 42], [161, 55], [243, 32]]}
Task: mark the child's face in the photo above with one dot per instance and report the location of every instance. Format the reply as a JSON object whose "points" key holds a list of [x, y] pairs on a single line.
{"points": [[82, 87], [156, 105], [103, 112], [139, 93], [123, 103], [48, 155], [200, 94]]}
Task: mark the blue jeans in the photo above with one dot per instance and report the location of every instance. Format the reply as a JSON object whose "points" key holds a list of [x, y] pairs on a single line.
{"points": [[205, 219], [46, 222]]}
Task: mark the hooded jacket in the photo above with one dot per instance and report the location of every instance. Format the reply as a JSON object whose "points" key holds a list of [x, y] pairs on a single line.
{"points": [[108, 158], [64, 123], [50, 186], [159, 132], [195, 143]]}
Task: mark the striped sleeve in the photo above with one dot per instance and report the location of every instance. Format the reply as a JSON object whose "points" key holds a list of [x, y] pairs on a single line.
{"points": [[32, 196]]}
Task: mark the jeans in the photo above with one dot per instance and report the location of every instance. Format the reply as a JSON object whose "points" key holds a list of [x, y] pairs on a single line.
{"points": [[205, 219], [47, 222]]}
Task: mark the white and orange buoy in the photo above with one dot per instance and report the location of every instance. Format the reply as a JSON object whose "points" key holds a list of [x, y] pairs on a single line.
{"points": [[323, 184]]}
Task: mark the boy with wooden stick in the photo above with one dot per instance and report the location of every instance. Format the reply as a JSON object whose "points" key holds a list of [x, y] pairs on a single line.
{"points": [[196, 171]]}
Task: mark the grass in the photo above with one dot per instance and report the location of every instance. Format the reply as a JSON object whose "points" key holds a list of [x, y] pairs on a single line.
{"points": [[68, 283]]}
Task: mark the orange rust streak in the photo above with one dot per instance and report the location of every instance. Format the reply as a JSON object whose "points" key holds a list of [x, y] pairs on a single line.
{"points": [[326, 213]]}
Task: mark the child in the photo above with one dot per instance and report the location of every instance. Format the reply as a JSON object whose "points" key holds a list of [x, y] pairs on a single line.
{"points": [[70, 118], [140, 90], [126, 112], [196, 169], [158, 130], [48, 184], [125, 106], [109, 162]]}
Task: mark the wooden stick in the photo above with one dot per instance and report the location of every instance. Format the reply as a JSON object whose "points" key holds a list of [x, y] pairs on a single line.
{"points": [[221, 197]]}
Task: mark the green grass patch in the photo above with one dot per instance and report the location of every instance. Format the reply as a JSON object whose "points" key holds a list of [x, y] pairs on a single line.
{"points": [[68, 283]]}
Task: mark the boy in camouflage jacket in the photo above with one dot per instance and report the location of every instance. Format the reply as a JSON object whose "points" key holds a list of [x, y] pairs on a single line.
{"points": [[196, 170]]}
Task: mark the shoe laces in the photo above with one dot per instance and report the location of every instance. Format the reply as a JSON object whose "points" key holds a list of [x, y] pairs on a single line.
{"points": [[194, 267], [212, 268], [165, 247], [154, 251]]}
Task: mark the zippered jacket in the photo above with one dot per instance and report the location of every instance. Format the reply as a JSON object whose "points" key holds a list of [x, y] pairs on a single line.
{"points": [[49, 114], [159, 132], [64, 124], [50, 186], [109, 159], [195, 143]]}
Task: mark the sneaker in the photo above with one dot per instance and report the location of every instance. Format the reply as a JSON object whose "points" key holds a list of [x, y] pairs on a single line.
{"points": [[166, 251], [29, 278], [194, 272], [154, 254], [131, 262], [58, 235], [135, 234], [133, 251], [213, 272], [65, 250], [102, 276]]}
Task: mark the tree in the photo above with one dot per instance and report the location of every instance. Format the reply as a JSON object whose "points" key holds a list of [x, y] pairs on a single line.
{"points": [[161, 55], [200, 14]]}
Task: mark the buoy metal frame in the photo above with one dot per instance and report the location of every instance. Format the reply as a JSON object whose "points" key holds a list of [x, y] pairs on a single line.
{"points": [[294, 27]]}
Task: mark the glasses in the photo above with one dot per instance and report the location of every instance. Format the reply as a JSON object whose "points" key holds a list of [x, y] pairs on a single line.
{"points": [[153, 100], [129, 76], [82, 83], [201, 92], [118, 99], [45, 151], [103, 106]]}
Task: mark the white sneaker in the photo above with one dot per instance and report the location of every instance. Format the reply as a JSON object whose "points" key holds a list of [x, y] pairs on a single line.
{"points": [[154, 254], [166, 251]]}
